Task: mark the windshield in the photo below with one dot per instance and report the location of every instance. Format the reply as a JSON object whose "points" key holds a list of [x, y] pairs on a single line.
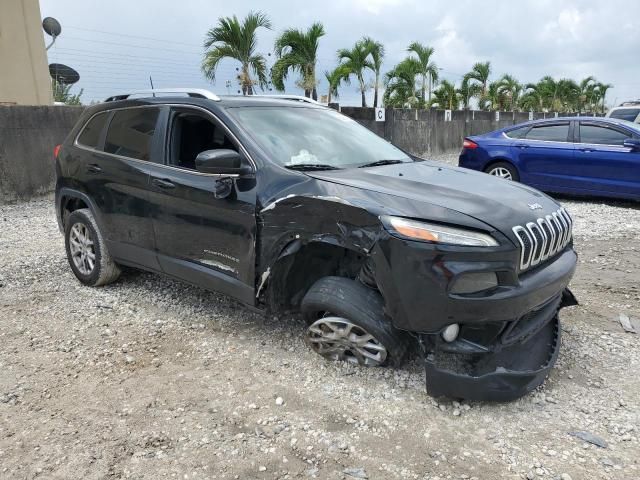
{"points": [[298, 137], [628, 114]]}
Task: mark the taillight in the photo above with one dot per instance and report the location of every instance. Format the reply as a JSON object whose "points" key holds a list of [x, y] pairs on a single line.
{"points": [[56, 151], [469, 144]]}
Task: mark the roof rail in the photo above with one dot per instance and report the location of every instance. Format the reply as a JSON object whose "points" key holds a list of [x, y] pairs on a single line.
{"points": [[630, 103], [191, 92], [298, 98]]}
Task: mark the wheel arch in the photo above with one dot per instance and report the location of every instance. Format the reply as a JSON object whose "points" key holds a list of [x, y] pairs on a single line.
{"points": [[68, 200], [506, 160], [299, 265]]}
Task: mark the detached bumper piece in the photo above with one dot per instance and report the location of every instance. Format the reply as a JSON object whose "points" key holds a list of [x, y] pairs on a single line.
{"points": [[505, 374]]}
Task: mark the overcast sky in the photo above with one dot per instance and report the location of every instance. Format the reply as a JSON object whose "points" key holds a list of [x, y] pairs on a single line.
{"points": [[116, 45]]}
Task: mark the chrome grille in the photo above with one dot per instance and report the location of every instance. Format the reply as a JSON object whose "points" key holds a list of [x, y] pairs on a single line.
{"points": [[544, 238]]}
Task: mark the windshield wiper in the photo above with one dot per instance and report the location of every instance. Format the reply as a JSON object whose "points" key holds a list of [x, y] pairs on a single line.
{"points": [[311, 166], [381, 162]]}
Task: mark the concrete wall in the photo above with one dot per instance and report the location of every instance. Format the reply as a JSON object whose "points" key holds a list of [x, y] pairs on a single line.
{"points": [[425, 132], [28, 136], [24, 78]]}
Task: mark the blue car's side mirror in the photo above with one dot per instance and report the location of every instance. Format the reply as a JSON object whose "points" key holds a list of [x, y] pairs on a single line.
{"points": [[632, 143]]}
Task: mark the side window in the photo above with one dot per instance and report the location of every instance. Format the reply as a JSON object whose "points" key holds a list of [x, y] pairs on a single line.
{"points": [[551, 133], [601, 135], [518, 132], [191, 134], [90, 136], [131, 132]]}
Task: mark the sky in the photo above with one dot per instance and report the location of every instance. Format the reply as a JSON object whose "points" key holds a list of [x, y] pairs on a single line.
{"points": [[117, 45]]}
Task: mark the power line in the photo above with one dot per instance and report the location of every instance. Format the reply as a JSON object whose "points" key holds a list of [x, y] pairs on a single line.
{"points": [[132, 36], [131, 46]]}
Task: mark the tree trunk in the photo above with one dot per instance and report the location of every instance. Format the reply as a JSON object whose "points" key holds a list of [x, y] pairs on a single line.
{"points": [[375, 91], [362, 92], [424, 88], [314, 94], [329, 95]]}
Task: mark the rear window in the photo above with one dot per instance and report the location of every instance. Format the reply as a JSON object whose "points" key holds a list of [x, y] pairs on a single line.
{"points": [[90, 136], [550, 133], [131, 132], [628, 114]]}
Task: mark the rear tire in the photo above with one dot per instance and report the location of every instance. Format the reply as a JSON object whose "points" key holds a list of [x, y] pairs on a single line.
{"points": [[87, 253], [347, 322], [503, 170]]}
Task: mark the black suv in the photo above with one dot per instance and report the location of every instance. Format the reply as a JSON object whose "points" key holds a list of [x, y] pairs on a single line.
{"points": [[290, 206]]}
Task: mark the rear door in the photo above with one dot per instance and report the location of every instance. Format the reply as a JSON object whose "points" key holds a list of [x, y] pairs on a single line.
{"points": [[546, 155], [201, 237], [116, 177], [605, 164]]}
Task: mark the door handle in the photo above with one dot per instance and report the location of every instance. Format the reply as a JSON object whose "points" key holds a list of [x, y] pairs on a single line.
{"points": [[586, 150], [94, 168], [166, 184], [522, 145]]}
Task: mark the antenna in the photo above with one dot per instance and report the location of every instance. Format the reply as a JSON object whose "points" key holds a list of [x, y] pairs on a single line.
{"points": [[151, 82]]}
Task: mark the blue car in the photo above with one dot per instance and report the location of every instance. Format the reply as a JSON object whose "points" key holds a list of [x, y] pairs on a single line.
{"points": [[575, 155]]}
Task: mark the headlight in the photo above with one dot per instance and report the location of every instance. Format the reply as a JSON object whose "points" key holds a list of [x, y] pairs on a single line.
{"points": [[431, 232]]}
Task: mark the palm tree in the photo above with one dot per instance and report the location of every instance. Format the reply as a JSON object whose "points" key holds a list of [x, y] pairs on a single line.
{"points": [[400, 84], [510, 88], [445, 96], [479, 76], [602, 92], [297, 51], [376, 51], [428, 69], [466, 92], [356, 60], [232, 39], [334, 78], [587, 90]]}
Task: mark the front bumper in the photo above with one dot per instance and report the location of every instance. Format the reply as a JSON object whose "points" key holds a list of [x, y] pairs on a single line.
{"points": [[509, 335], [502, 376]]}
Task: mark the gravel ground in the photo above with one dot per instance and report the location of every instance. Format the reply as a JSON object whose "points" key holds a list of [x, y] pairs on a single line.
{"points": [[151, 378]]}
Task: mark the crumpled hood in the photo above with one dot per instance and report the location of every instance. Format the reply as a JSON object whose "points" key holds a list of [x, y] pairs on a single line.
{"points": [[499, 203]]}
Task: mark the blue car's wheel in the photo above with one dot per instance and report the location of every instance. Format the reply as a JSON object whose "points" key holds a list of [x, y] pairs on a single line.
{"points": [[503, 170]]}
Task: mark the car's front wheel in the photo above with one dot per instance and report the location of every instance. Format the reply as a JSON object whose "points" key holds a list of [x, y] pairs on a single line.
{"points": [[87, 253], [347, 323], [503, 170]]}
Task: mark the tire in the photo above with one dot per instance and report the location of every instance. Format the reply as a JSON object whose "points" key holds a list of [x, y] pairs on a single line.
{"points": [[334, 306], [497, 168], [101, 270]]}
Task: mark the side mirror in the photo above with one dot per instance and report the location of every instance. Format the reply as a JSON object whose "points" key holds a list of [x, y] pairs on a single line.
{"points": [[632, 143], [222, 162]]}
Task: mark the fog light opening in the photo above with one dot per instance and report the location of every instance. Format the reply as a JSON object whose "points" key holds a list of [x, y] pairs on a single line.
{"points": [[450, 333]]}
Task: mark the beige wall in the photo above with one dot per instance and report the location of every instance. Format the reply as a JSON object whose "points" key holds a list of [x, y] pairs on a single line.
{"points": [[24, 71]]}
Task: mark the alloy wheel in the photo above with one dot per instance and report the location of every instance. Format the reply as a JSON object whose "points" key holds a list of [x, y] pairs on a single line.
{"points": [[336, 338], [501, 172], [82, 248]]}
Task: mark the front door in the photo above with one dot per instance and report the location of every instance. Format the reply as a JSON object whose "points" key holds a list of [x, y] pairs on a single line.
{"points": [[606, 164], [201, 236]]}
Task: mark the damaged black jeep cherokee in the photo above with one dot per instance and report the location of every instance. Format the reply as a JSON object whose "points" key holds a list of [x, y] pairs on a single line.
{"points": [[286, 205]]}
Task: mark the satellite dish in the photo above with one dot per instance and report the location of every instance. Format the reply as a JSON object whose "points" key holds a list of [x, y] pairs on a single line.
{"points": [[63, 74], [51, 26]]}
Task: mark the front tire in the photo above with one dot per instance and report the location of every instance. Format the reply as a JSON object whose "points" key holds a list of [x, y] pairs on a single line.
{"points": [[503, 170], [87, 253], [347, 323]]}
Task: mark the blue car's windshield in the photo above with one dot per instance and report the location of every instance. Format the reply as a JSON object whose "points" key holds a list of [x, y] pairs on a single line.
{"points": [[315, 137]]}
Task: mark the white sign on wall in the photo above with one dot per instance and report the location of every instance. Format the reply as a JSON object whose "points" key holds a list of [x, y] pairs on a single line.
{"points": [[530, 115], [447, 115], [379, 114], [497, 116]]}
